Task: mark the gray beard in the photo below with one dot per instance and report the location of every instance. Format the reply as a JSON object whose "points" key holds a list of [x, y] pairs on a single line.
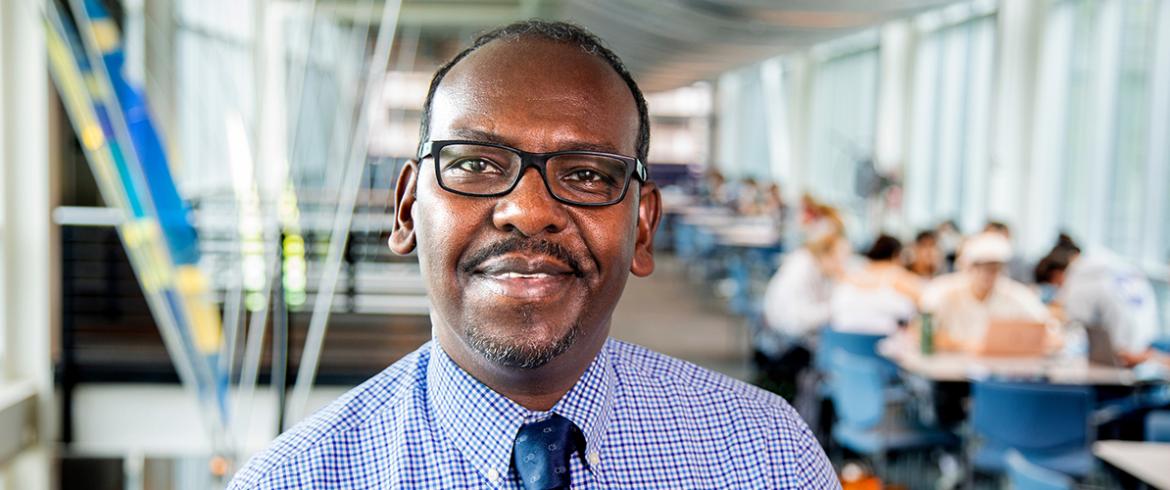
{"points": [[521, 354]]}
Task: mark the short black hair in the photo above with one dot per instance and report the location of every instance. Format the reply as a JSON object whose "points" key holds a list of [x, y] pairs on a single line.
{"points": [[561, 32], [925, 235], [998, 226], [885, 247], [1056, 261], [1065, 243]]}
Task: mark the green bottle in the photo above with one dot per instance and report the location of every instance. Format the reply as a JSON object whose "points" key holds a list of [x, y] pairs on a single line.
{"points": [[926, 334]]}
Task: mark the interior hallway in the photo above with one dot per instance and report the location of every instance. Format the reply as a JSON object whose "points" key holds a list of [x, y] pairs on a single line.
{"points": [[675, 315]]}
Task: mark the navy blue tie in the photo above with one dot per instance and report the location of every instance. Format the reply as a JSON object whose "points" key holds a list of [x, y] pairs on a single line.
{"points": [[542, 452]]}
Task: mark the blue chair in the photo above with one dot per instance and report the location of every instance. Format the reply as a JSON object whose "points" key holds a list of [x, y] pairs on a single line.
{"points": [[738, 270], [1158, 426], [864, 424], [1026, 476], [1162, 344], [858, 344], [1047, 424]]}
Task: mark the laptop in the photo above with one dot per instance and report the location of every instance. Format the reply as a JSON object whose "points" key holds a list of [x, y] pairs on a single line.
{"points": [[1101, 349], [1013, 338]]}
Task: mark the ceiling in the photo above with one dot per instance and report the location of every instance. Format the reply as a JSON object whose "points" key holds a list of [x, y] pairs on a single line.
{"points": [[665, 43]]}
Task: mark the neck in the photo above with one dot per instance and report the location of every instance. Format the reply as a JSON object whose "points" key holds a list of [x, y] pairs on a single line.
{"points": [[537, 389]]}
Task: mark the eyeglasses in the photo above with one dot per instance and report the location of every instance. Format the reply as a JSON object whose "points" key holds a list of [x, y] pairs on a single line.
{"points": [[581, 178]]}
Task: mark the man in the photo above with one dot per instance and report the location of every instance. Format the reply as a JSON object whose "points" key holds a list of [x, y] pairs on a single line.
{"points": [[925, 259], [1017, 268], [965, 302], [521, 387], [1099, 288]]}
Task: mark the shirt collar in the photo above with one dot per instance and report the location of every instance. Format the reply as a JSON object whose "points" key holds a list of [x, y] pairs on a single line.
{"points": [[482, 424]]}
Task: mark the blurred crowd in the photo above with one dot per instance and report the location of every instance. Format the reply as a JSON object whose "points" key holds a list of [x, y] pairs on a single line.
{"points": [[964, 282]]}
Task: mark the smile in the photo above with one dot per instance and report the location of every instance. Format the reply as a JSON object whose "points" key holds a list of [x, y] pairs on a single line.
{"points": [[524, 277]]}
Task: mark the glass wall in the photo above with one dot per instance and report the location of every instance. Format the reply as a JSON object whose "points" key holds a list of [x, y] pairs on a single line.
{"points": [[841, 125], [744, 143], [1086, 91], [1102, 120], [949, 158]]}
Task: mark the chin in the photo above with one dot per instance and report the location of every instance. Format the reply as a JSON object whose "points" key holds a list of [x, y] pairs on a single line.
{"points": [[528, 347]]}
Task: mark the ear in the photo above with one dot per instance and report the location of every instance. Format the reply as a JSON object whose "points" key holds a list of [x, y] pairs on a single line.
{"points": [[402, 234], [649, 215]]}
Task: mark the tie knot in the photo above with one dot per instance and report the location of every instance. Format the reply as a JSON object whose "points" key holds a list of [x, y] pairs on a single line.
{"points": [[542, 452]]}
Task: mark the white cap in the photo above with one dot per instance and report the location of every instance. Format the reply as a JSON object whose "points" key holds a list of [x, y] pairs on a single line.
{"points": [[986, 247]]}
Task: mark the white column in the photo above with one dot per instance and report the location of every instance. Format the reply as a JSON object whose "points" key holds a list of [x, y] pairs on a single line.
{"points": [[1021, 23], [896, 58], [798, 93], [892, 131], [28, 305], [772, 77]]}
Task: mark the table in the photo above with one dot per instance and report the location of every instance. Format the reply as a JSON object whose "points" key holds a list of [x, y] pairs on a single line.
{"points": [[962, 367], [749, 235], [1146, 461]]}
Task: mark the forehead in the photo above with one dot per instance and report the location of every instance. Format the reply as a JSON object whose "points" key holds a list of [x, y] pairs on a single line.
{"points": [[538, 95]]}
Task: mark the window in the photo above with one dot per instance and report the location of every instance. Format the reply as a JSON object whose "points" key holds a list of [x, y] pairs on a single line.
{"points": [[745, 144], [841, 135], [947, 170], [1101, 130]]}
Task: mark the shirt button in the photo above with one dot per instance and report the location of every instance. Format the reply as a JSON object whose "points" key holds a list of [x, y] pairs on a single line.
{"points": [[593, 458], [493, 475]]}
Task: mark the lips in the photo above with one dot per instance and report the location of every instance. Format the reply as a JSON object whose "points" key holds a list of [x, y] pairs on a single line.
{"points": [[525, 277], [525, 265]]}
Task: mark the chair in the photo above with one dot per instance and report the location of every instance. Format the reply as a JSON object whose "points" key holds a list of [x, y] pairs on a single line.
{"points": [[1047, 424], [864, 424], [1161, 344], [1026, 476], [858, 344], [738, 271], [1158, 426]]}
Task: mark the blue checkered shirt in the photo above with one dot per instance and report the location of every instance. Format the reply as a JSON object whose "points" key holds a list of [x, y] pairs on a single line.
{"points": [[650, 421]]}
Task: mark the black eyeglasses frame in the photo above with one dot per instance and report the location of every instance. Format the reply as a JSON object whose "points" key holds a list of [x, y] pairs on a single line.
{"points": [[634, 168]]}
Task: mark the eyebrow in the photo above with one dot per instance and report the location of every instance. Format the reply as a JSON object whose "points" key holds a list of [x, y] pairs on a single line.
{"points": [[490, 137]]}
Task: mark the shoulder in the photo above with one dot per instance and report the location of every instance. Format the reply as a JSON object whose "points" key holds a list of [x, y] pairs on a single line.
{"points": [[641, 372], [751, 424], [294, 455]]}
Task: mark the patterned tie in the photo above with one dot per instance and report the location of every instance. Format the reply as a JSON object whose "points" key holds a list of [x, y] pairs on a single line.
{"points": [[542, 452]]}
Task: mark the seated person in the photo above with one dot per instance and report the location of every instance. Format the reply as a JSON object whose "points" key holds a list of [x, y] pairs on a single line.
{"points": [[964, 303], [880, 296], [1099, 288], [749, 200], [925, 258], [796, 302], [1017, 268]]}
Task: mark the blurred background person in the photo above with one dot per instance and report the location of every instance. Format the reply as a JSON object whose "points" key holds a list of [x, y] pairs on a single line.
{"points": [[924, 258], [1098, 288], [713, 190], [878, 297], [965, 302], [1017, 267], [949, 240], [797, 299], [773, 203]]}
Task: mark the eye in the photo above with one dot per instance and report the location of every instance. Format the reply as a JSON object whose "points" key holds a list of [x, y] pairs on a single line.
{"points": [[585, 175], [476, 166]]}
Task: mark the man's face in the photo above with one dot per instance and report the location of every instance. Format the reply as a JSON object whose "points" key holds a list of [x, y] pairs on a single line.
{"points": [[983, 277], [521, 278], [926, 251]]}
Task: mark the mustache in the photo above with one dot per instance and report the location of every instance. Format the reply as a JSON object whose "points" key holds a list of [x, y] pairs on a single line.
{"points": [[517, 244]]}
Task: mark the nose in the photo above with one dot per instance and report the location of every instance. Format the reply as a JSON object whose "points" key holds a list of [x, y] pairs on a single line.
{"points": [[529, 208]]}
